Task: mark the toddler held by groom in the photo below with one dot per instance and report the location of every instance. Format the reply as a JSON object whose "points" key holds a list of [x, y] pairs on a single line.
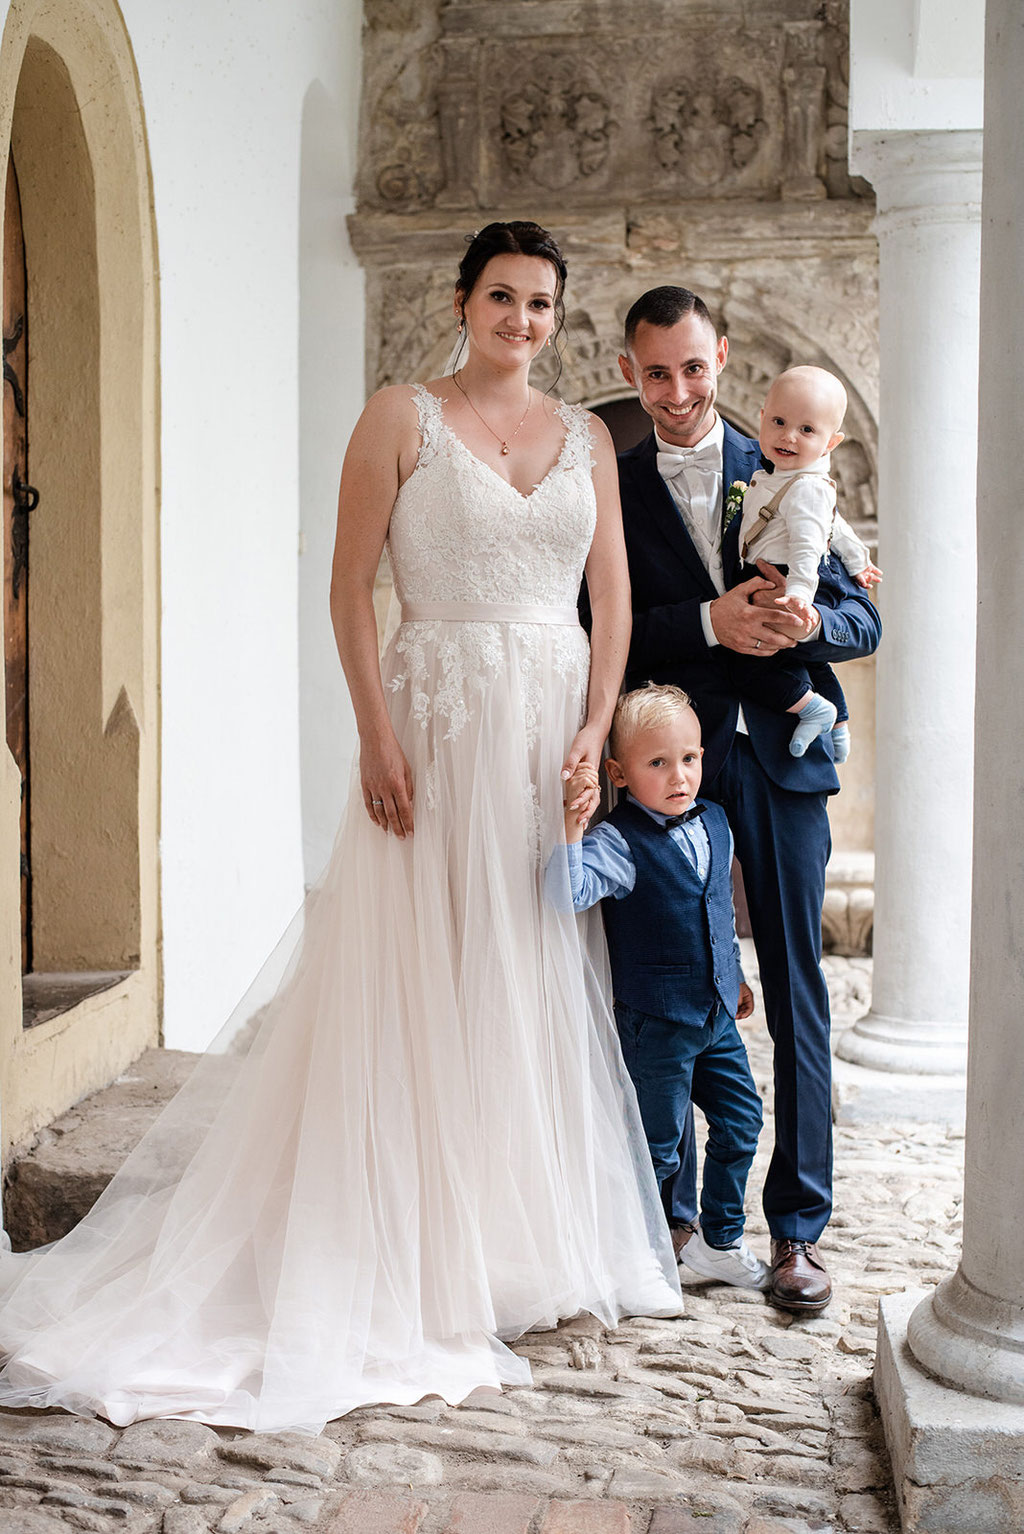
{"points": [[661, 866]]}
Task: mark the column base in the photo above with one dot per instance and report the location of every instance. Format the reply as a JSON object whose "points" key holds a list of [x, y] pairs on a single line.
{"points": [[957, 1460], [905, 1047], [864, 1096]]}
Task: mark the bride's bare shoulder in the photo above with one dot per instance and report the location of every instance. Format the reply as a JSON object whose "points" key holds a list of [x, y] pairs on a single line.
{"points": [[389, 419], [395, 402]]}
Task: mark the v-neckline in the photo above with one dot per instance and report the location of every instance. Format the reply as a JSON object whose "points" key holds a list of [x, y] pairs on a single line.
{"points": [[482, 462]]}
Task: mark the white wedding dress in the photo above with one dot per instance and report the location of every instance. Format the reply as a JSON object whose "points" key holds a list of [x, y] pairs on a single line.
{"points": [[426, 1141]]}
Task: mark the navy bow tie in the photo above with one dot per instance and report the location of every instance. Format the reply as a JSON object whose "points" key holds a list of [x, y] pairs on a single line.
{"points": [[680, 820]]}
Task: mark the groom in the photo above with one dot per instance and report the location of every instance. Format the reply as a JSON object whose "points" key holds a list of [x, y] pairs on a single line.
{"points": [[674, 487]]}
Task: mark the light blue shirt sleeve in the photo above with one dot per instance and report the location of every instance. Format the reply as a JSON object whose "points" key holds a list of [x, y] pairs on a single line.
{"points": [[601, 865]]}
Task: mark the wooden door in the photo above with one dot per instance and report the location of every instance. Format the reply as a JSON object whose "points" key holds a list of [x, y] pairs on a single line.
{"points": [[19, 500]]}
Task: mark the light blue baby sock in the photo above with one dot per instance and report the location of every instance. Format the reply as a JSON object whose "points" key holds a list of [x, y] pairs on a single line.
{"points": [[816, 716], [841, 741]]}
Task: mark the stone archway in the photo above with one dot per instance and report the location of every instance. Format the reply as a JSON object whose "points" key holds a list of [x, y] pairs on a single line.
{"points": [[71, 112]]}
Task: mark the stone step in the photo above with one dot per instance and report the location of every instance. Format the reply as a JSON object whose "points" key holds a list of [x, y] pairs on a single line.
{"points": [[56, 1178]]}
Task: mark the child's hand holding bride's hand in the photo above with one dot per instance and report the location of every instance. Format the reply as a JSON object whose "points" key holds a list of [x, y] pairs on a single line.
{"points": [[582, 794]]}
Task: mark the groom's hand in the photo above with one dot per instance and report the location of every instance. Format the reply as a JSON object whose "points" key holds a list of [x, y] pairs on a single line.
{"points": [[741, 626]]}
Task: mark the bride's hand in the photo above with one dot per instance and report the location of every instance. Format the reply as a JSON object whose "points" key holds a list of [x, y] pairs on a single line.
{"points": [[587, 747], [387, 785]]}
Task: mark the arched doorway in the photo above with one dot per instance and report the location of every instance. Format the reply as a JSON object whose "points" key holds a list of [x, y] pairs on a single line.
{"points": [[79, 787], [19, 499]]}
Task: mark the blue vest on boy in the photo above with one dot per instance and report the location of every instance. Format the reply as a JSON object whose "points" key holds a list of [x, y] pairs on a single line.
{"points": [[670, 940]]}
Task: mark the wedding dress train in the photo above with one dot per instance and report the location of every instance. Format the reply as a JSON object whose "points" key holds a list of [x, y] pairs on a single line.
{"points": [[425, 1142]]}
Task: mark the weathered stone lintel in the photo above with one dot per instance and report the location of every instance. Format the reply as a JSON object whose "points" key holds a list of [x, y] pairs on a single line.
{"points": [[958, 1460], [421, 239], [570, 18], [709, 230]]}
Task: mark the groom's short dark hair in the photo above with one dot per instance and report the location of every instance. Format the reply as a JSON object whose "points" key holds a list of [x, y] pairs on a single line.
{"points": [[664, 307]]}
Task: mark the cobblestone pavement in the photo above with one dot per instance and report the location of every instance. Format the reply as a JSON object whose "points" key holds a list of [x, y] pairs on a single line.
{"points": [[736, 1419]]}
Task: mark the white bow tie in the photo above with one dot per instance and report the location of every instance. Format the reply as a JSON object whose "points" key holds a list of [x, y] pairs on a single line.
{"points": [[706, 457]]}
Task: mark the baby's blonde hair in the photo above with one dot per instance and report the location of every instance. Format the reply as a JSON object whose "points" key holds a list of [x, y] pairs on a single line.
{"points": [[642, 709]]}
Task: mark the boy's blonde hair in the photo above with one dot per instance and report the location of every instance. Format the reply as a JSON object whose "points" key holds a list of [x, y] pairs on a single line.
{"points": [[642, 709]]}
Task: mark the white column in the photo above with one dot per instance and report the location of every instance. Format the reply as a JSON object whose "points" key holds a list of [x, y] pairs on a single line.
{"points": [[952, 1402], [971, 1331], [928, 187]]}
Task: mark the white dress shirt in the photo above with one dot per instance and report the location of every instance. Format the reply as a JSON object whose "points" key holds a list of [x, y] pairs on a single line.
{"points": [[696, 488], [694, 479]]}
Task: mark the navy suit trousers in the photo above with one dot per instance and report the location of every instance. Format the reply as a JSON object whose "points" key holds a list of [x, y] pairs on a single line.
{"points": [[670, 1064], [782, 843]]}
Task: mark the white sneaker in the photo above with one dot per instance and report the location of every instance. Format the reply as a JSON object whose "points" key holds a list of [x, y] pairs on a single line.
{"points": [[727, 1265]]}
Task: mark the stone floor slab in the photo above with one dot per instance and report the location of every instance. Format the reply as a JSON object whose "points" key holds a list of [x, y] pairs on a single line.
{"points": [[377, 1512], [586, 1518], [491, 1513], [863, 1096]]}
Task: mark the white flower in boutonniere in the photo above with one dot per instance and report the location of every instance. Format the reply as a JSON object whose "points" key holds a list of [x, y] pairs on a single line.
{"points": [[734, 501]]}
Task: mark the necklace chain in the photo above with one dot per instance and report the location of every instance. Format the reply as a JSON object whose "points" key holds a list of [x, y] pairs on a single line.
{"points": [[504, 441]]}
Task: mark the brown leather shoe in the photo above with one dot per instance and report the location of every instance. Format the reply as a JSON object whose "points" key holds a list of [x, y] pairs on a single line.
{"points": [[799, 1281]]}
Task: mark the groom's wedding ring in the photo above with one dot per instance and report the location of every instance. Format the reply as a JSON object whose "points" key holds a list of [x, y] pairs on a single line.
{"points": [[757, 644]]}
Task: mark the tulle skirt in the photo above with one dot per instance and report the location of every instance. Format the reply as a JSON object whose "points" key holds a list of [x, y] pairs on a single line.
{"points": [[414, 1141]]}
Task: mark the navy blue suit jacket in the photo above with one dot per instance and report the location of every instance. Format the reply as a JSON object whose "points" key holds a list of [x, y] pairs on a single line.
{"points": [[669, 585]]}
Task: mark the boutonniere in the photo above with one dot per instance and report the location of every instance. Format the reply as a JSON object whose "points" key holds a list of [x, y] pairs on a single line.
{"points": [[734, 501]]}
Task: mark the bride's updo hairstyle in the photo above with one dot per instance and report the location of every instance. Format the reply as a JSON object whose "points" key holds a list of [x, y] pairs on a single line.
{"points": [[519, 237]]}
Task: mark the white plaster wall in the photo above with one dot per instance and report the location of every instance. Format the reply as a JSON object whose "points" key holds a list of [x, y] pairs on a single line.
{"points": [[250, 109], [916, 65], [331, 395]]}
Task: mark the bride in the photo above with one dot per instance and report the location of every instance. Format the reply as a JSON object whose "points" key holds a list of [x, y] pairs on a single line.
{"points": [[426, 1142]]}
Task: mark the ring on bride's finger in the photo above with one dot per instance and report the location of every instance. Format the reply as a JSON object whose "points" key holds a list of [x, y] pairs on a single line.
{"points": [[376, 801]]}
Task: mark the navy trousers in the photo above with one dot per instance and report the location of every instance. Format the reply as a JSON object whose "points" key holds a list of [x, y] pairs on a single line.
{"points": [[672, 1064], [783, 844]]}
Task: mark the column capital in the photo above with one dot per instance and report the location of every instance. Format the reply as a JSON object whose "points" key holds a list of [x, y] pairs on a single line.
{"points": [[921, 176]]}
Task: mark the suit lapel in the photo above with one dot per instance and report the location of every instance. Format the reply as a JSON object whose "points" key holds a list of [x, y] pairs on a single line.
{"points": [[654, 501], [740, 458]]}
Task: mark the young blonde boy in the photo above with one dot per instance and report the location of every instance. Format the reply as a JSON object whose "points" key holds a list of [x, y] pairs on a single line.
{"points": [[790, 519], [661, 867]]}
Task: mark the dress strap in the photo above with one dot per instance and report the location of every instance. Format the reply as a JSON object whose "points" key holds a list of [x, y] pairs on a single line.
{"points": [[579, 438], [431, 422]]}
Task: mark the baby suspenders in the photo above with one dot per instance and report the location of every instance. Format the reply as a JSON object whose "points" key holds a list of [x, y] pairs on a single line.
{"points": [[767, 512]]}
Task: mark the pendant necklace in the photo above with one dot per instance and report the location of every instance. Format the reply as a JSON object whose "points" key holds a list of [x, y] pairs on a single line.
{"points": [[502, 440]]}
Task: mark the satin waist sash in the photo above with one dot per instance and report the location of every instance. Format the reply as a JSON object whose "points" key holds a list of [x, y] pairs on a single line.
{"points": [[488, 612]]}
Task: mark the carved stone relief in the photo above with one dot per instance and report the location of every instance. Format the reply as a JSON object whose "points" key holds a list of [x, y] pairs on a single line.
{"points": [[708, 132], [555, 128], [463, 106]]}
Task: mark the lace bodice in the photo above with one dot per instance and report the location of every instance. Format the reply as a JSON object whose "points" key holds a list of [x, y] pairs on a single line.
{"points": [[461, 533]]}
